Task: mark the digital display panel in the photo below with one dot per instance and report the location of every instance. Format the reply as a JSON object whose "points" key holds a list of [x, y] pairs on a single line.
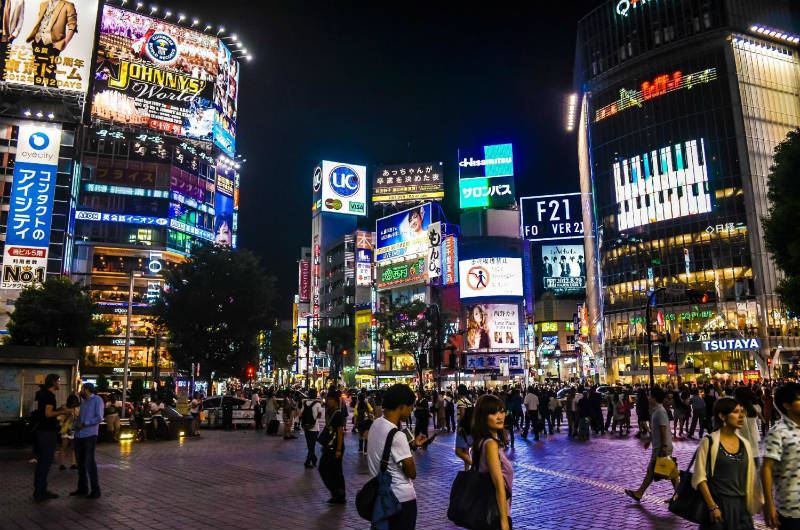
{"points": [[490, 277], [408, 182], [404, 233], [662, 184], [492, 326], [563, 269]]}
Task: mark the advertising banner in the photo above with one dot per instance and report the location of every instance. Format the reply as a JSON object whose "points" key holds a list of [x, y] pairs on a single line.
{"points": [[486, 177], [490, 277], [363, 267], [435, 250], [450, 260], [495, 361], [223, 218], [363, 331], [548, 217], [106, 217], [343, 188], [304, 281], [408, 182], [563, 269], [166, 77], [56, 57], [404, 234], [413, 271], [30, 210], [548, 345], [482, 192], [492, 327]]}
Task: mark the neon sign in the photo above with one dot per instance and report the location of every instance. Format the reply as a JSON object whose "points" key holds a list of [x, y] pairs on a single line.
{"points": [[662, 84], [623, 6]]}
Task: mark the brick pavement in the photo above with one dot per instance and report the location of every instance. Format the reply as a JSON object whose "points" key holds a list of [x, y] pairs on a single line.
{"points": [[242, 479]]}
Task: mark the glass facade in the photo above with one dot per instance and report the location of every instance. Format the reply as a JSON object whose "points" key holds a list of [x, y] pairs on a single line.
{"points": [[683, 114]]}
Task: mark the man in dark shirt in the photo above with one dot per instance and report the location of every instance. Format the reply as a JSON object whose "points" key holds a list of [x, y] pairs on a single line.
{"points": [[330, 464], [46, 427]]}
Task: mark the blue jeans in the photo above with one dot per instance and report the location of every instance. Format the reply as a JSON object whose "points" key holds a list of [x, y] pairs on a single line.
{"points": [[84, 454], [46, 442]]}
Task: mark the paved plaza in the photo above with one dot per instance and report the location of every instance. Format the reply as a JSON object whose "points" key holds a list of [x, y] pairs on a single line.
{"points": [[242, 479]]}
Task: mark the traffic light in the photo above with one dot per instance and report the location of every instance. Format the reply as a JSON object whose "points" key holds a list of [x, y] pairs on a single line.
{"points": [[670, 367], [250, 371]]}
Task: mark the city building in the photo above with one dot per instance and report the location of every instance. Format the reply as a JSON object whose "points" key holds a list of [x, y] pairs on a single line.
{"points": [[680, 105]]}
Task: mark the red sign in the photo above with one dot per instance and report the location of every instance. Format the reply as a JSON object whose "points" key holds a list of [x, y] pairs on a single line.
{"points": [[305, 281], [28, 252], [752, 375]]}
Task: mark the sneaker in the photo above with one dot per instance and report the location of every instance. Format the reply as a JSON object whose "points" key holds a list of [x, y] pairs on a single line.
{"points": [[33, 461]]}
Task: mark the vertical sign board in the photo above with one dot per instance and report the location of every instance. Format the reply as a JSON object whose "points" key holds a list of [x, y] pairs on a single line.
{"points": [[363, 259], [435, 250], [31, 206], [304, 281]]}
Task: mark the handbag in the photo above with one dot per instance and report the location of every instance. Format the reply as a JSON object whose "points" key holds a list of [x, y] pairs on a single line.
{"points": [[687, 502], [202, 416], [377, 492], [665, 467], [473, 503], [325, 436]]}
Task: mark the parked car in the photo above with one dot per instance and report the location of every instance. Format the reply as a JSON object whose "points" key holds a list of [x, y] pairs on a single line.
{"points": [[213, 408]]}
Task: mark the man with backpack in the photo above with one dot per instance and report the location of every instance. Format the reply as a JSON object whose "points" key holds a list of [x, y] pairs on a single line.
{"points": [[309, 420], [398, 403]]}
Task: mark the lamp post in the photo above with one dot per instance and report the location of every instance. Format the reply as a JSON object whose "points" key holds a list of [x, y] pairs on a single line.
{"points": [[649, 334], [134, 274]]}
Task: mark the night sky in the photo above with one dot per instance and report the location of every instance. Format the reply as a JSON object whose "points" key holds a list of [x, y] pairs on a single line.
{"points": [[352, 82]]}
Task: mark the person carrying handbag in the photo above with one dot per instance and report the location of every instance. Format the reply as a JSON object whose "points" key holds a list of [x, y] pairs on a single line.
{"points": [[488, 433], [332, 441]]}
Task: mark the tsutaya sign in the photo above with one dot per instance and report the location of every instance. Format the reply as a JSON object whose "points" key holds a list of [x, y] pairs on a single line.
{"points": [[731, 344], [623, 6]]}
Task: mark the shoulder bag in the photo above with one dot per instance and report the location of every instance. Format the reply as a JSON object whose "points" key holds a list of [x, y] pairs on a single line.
{"points": [[375, 501], [687, 502], [325, 436], [473, 503]]}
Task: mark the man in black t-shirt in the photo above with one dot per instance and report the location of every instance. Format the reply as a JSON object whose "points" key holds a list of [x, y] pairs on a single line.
{"points": [[330, 464], [45, 425]]}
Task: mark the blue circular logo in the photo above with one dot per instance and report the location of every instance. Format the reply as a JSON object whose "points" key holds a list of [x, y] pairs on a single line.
{"points": [[161, 47], [344, 181], [39, 141]]}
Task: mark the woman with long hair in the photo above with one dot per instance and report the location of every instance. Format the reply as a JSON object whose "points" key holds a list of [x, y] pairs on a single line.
{"points": [[725, 472], [363, 414], [744, 396], [477, 328], [488, 435]]}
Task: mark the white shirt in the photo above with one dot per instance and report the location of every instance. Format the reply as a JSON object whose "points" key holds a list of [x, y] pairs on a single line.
{"points": [[531, 401], [316, 411], [402, 486]]}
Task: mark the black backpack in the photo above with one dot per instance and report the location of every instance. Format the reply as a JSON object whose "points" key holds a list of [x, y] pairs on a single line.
{"points": [[307, 418]]}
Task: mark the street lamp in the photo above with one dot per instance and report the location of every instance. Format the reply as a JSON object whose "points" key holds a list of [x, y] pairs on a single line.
{"points": [[649, 334], [134, 274]]}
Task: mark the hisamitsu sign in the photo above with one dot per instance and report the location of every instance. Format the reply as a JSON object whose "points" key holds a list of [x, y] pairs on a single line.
{"points": [[731, 344]]}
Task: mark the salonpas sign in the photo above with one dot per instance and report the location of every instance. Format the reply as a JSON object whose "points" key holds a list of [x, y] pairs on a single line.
{"points": [[731, 344]]}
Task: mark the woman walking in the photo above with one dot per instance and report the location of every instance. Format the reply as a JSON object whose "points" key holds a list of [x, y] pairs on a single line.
{"points": [[363, 414], [724, 472], [488, 434]]}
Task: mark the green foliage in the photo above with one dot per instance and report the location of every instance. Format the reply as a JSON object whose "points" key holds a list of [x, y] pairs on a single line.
{"points": [[281, 345], [217, 304], [342, 338], [782, 225], [59, 313]]}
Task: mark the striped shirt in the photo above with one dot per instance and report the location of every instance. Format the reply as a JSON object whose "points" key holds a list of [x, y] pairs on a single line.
{"points": [[783, 446]]}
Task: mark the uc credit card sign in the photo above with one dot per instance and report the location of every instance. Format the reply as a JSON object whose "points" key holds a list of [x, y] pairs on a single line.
{"points": [[344, 187], [31, 206]]}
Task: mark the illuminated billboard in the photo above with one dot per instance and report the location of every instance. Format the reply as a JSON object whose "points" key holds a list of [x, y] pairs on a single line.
{"points": [[547, 217], [57, 57], [405, 273], [408, 182], [662, 184], [223, 208], [166, 77], [492, 327], [481, 277], [563, 269], [340, 188], [30, 211], [486, 177], [404, 234]]}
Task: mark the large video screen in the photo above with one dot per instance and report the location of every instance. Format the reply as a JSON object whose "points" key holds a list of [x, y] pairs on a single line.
{"points": [[404, 234], [58, 57], [490, 277], [563, 269], [165, 77], [492, 326], [662, 184]]}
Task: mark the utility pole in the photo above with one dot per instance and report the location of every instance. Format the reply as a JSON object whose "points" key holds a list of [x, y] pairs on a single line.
{"points": [[649, 333]]}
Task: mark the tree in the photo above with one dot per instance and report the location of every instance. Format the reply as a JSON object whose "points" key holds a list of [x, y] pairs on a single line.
{"points": [[782, 225], [281, 347], [214, 307], [412, 328], [59, 313], [342, 339]]}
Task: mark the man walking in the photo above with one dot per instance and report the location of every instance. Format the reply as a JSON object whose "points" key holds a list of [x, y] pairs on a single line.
{"points": [[90, 416], [698, 406], [531, 403], [309, 420], [330, 464]]}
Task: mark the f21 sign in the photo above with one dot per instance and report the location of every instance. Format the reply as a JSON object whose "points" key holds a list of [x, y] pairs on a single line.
{"points": [[548, 217]]}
